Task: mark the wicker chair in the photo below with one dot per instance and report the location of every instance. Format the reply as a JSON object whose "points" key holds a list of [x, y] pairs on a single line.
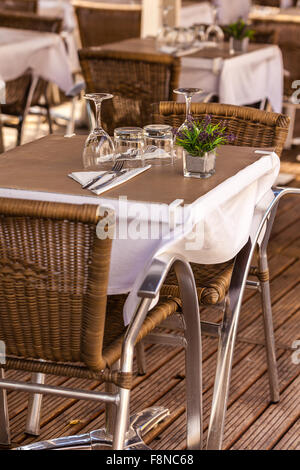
{"points": [[30, 6], [26, 91], [252, 128], [216, 284], [98, 25], [53, 293], [1, 136], [136, 80]]}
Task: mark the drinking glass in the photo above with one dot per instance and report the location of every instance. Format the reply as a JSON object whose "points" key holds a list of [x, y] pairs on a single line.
{"points": [[159, 146], [129, 146], [200, 34], [214, 33], [188, 94], [99, 148]]}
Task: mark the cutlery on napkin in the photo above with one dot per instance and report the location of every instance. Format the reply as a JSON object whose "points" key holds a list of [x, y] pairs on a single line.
{"points": [[109, 181]]}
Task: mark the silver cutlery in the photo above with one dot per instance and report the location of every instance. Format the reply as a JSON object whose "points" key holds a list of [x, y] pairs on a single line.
{"points": [[117, 167], [115, 175]]}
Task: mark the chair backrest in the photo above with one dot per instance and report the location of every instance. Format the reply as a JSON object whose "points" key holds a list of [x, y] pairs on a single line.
{"points": [[53, 281], [98, 25], [31, 6], [30, 21], [252, 127], [136, 80], [1, 136], [289, 42]]}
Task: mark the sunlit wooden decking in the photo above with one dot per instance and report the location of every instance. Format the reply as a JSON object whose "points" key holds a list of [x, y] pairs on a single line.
{"points": [[252, 422]]}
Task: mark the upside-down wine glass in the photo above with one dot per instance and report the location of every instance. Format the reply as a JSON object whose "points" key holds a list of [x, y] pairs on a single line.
{"points": [[188, 93], [99, 149], [214, 32]]}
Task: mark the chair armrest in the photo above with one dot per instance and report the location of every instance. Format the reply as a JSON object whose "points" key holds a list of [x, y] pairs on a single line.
{"points": [[156, 275]]}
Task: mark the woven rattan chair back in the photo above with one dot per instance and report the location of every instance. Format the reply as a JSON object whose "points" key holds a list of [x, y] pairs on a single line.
{"points": [[136, 81], [288, 35], [53, 281], [30, 21], [252, 127], [98, 26], [31, 6]]}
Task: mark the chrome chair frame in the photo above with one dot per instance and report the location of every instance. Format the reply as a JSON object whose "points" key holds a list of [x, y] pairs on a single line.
{"points": [[227, 330], [126, 435]]}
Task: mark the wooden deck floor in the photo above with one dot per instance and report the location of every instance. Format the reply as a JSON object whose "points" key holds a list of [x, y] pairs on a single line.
{"points": [[252, 422]]}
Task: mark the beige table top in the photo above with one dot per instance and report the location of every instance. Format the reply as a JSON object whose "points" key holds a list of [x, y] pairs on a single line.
{"points": [[44, 165], [147, 46]]}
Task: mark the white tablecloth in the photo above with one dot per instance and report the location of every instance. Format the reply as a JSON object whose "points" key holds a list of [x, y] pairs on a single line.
{"points": [[61, 9], [240, 80], [230, 11], [211, 230], [44, 53], [200, 13]]}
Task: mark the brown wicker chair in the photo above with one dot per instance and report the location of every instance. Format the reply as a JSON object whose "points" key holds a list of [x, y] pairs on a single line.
{"points": [[218, 284], [1, 136], [53, 295], [136, 80], [24, 91], [98, 25], [252, 128], [30, 6]]}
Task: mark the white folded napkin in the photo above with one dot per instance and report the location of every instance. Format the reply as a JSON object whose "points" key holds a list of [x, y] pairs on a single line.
{"points": [[83, 177]]}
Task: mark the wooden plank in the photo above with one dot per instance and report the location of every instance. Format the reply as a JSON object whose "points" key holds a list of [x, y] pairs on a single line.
{"points": [[274, 422], [291, 440]]}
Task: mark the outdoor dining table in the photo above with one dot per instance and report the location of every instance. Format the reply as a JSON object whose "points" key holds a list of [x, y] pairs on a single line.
{"points": [[158, 211], [239, 79], [44, 53]]}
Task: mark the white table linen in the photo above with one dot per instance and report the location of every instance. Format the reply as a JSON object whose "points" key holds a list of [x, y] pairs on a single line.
{"points": [[43, 53], [61, 9], [211, 230], [240, 80], [229, 11], [200, 13]]}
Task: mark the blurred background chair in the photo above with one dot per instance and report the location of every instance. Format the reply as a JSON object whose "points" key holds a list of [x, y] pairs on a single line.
{"points": [[99, 25], [56, 318], [26, 91], [30, 6], [141, 79]]}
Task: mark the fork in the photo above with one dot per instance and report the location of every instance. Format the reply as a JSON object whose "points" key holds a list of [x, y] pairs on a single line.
{"points": [[116, 168]]}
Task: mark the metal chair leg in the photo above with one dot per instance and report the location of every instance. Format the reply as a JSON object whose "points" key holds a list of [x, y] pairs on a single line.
{"points": [[268, 322], [140, 358], [193, 357], [110, 409], [34, 407], [226, 348], [4, 419]]}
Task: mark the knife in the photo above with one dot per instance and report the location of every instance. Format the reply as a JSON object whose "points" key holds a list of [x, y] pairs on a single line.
{"points": [[116, 175]]}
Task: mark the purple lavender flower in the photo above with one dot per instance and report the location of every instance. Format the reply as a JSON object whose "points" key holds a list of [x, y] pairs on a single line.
{"points": [[207, 120]]}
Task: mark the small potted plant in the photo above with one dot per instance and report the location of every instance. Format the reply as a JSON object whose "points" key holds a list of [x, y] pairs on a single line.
{"points": [[200, 140], [239, 36]]}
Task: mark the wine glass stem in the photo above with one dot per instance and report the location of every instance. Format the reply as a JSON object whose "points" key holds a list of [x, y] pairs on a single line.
{"points": [[188, 100], [98, 105]]}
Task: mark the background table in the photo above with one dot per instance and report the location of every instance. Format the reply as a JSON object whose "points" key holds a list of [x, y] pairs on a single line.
{"points": [[240, 80], [44, 53]]}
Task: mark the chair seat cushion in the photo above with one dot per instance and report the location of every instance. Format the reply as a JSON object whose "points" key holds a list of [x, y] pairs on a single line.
{"points": [[212, 282]]}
